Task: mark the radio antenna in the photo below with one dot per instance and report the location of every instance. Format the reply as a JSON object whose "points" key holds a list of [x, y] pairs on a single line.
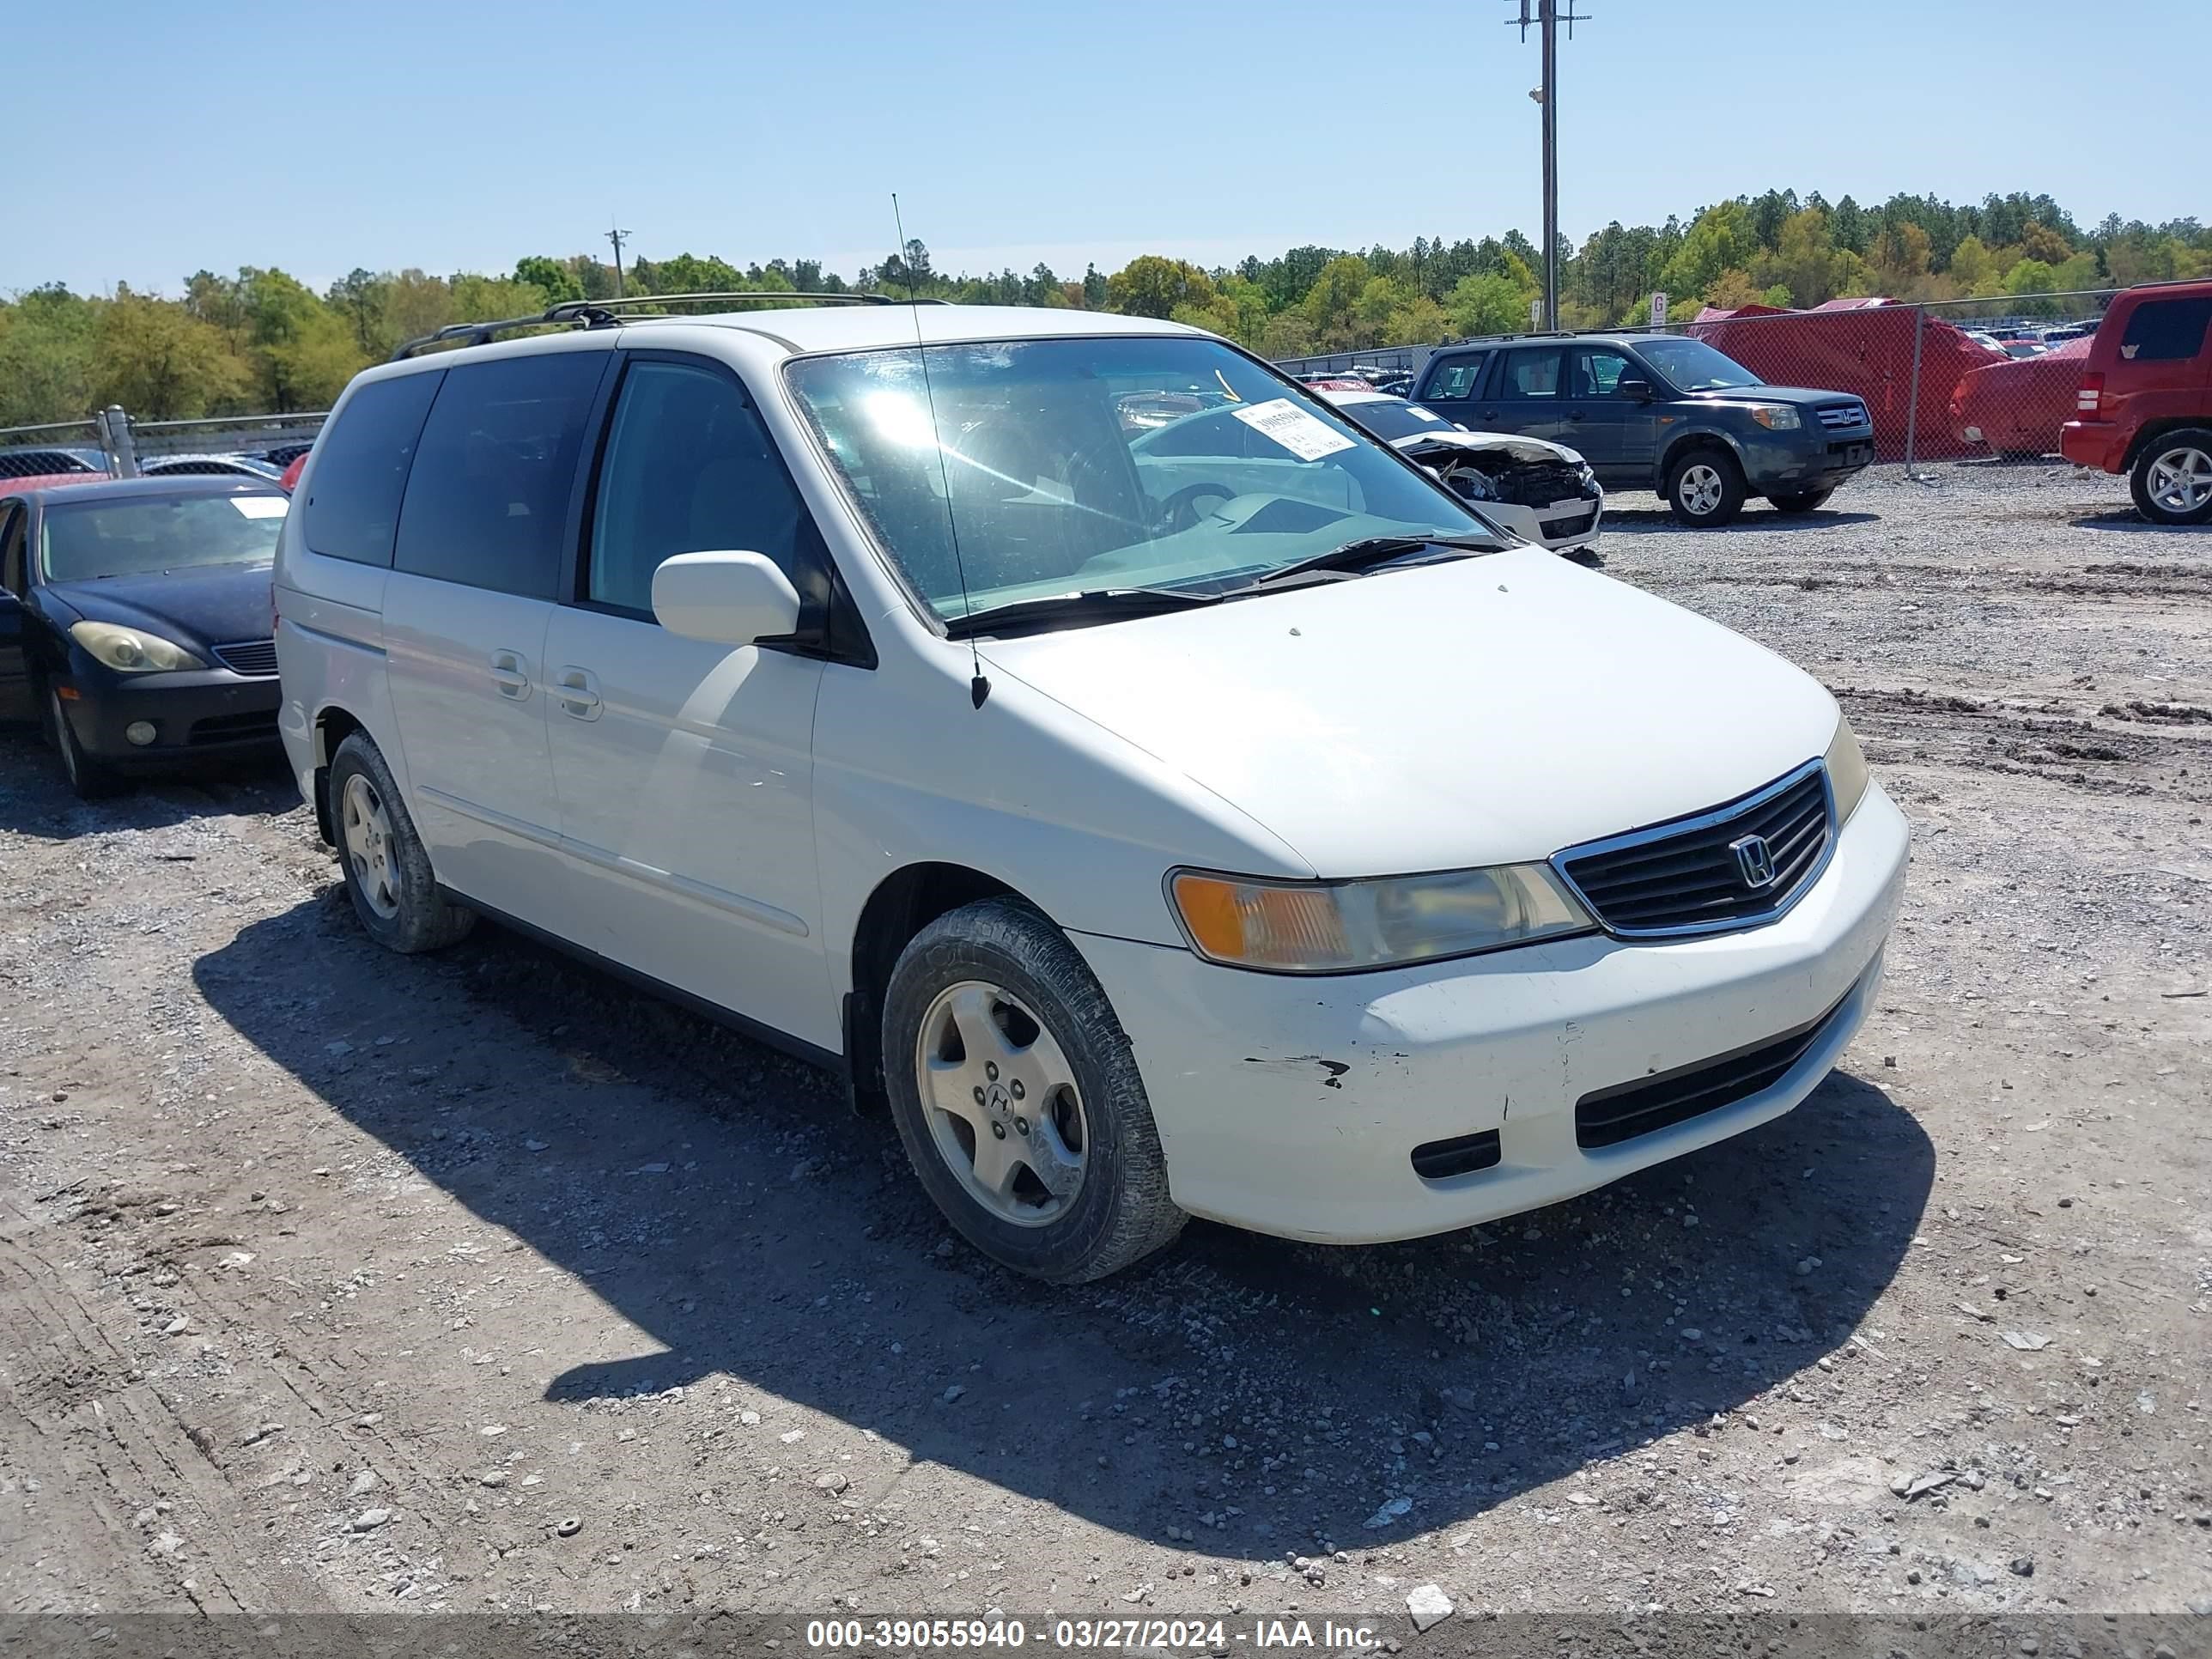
{"points": [[978, 687]]}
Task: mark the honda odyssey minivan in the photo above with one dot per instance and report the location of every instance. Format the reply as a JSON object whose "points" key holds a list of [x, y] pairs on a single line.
{"points": [[1256, 836]]}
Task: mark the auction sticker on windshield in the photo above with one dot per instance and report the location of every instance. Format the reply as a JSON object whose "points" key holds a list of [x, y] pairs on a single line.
{"points": [[1294, 428], [260, 506]]}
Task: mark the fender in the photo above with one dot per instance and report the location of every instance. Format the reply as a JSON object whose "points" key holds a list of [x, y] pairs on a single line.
{"points": [[1699, 434]]}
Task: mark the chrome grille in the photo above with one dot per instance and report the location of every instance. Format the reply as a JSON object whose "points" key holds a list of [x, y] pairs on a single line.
{"points": [[248, 656], [1842, 417], [1694, 875]]}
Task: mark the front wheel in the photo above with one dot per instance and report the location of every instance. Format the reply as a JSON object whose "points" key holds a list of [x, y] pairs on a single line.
{"points": [[2172, 477], [88, 778], [1705, 488], [1018, 1100], [1811, 501]]}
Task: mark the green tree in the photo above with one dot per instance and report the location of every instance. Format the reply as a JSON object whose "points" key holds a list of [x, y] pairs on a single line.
{"points": [[1151, 286], [1973, 268], [550, 278], [1720, 240], [302, 352], [1488, 303], [46, 357], [161, 363]]}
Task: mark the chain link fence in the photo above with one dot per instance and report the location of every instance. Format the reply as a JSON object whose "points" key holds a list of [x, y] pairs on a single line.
{"points": [[1948, 379], [115, 445]]}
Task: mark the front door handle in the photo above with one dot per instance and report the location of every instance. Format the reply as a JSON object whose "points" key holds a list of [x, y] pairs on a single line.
{"points": [[577, 693], [509, 674]]}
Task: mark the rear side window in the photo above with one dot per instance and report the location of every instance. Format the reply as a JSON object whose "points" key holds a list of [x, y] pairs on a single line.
{"points": [[1457, 379], [488, 499], [689, 469], [1532, 375], [361, 472], [2162, 330]]}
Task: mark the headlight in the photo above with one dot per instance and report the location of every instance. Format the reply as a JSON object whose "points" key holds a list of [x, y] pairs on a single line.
{"points": [[1847, 771], [131, 651], [1332, 927], [1777, 417], [1584, 475]]}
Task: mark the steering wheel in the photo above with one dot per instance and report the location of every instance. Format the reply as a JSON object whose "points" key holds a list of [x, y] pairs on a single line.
{"points": [[1183, 510]]}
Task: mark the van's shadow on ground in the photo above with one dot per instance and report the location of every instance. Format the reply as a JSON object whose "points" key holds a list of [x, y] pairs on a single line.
{"points": [[35, 799], [722, 1200]]}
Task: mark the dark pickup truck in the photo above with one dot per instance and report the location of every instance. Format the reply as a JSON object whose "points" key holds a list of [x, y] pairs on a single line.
{"points": [[1660, 412]]}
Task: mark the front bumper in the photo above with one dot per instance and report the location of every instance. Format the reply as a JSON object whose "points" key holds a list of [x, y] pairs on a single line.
{"points": [[200, 713], [1807, 461], [1563, 527], [1294, 1106]]}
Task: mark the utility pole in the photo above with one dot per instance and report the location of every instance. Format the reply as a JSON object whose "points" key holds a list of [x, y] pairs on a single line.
{"points": [[615, 237], [1546, 18]]}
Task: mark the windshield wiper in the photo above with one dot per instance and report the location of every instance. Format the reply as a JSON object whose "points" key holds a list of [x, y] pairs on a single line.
{"points": [[1369, 551], [1092, 604]]}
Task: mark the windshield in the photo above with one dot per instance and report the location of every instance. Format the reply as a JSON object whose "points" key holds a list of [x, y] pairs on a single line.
{"points": [[80, 541], [1693, 365], [1390, 419], [1048, 468]]}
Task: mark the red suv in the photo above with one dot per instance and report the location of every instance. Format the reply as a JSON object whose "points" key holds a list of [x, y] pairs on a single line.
{"points": [[2144, 406]]}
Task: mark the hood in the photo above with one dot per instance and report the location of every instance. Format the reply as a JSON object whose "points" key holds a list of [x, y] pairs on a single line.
{"points": [[1486, 710], [1803, 395], [212, 605], [1508, 445]]}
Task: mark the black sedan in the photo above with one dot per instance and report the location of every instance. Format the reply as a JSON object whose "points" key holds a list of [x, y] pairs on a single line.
{"points": [[136, 622]]}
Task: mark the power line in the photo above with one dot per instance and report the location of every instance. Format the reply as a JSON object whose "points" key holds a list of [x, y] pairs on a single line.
{"points": [[1546, 18]]}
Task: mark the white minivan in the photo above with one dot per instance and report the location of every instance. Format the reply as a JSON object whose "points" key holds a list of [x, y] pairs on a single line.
{"points": [[1158, 832]]}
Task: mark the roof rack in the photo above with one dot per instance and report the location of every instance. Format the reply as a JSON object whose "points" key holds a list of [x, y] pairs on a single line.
{"points": [[605, 314]]}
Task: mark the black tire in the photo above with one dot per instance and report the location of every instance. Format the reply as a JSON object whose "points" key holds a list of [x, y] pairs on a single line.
{"points": [[2166, 449], [88, 778], [1121, 1212], [1686, 470], [1811, 501], [422, 915]]}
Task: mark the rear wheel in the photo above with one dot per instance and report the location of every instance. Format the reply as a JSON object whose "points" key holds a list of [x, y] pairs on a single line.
{"points": [[89, 779], [1811, 501], [2172, 477], [387, 870], [1018, 1099], [1704, 488]]}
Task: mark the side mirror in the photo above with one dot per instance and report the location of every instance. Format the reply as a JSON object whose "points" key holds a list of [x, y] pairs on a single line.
{"points": [[724, 599], [1633, 386]]}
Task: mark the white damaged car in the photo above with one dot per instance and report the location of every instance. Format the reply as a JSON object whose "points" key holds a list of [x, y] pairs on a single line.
{"points": [[1238, 828], [1542, 492]]}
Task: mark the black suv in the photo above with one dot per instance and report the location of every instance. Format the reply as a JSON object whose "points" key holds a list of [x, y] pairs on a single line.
{"points": [[1657, 411]]}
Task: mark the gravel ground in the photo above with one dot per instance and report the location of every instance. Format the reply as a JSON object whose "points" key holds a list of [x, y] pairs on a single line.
{"points": [[332, 1281]]}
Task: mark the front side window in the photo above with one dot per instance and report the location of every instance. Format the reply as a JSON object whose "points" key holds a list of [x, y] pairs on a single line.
{"points": [[1007, 474], [1533, 373], [361, 472], [2166, 331], [1693, 365], [12, 521], [1597, 374], [142, 536], [487, 501], [689, 469]]}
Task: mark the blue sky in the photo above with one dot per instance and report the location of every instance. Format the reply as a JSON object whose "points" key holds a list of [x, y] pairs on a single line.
{"points": [[460, 137]]}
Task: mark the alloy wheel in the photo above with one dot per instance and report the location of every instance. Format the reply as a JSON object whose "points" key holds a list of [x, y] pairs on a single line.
{"points": [[367, 830], [1002, 1103], [1700, 489], [2181, 480]]}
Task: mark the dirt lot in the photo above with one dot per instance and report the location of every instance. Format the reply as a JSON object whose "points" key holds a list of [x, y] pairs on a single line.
{"points": [[333, 1281]]}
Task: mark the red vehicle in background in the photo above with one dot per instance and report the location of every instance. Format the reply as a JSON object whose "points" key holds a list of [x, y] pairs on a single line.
{"points": [[2144, 405], [290, 480], [1864, 346], [2016, 407]]}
